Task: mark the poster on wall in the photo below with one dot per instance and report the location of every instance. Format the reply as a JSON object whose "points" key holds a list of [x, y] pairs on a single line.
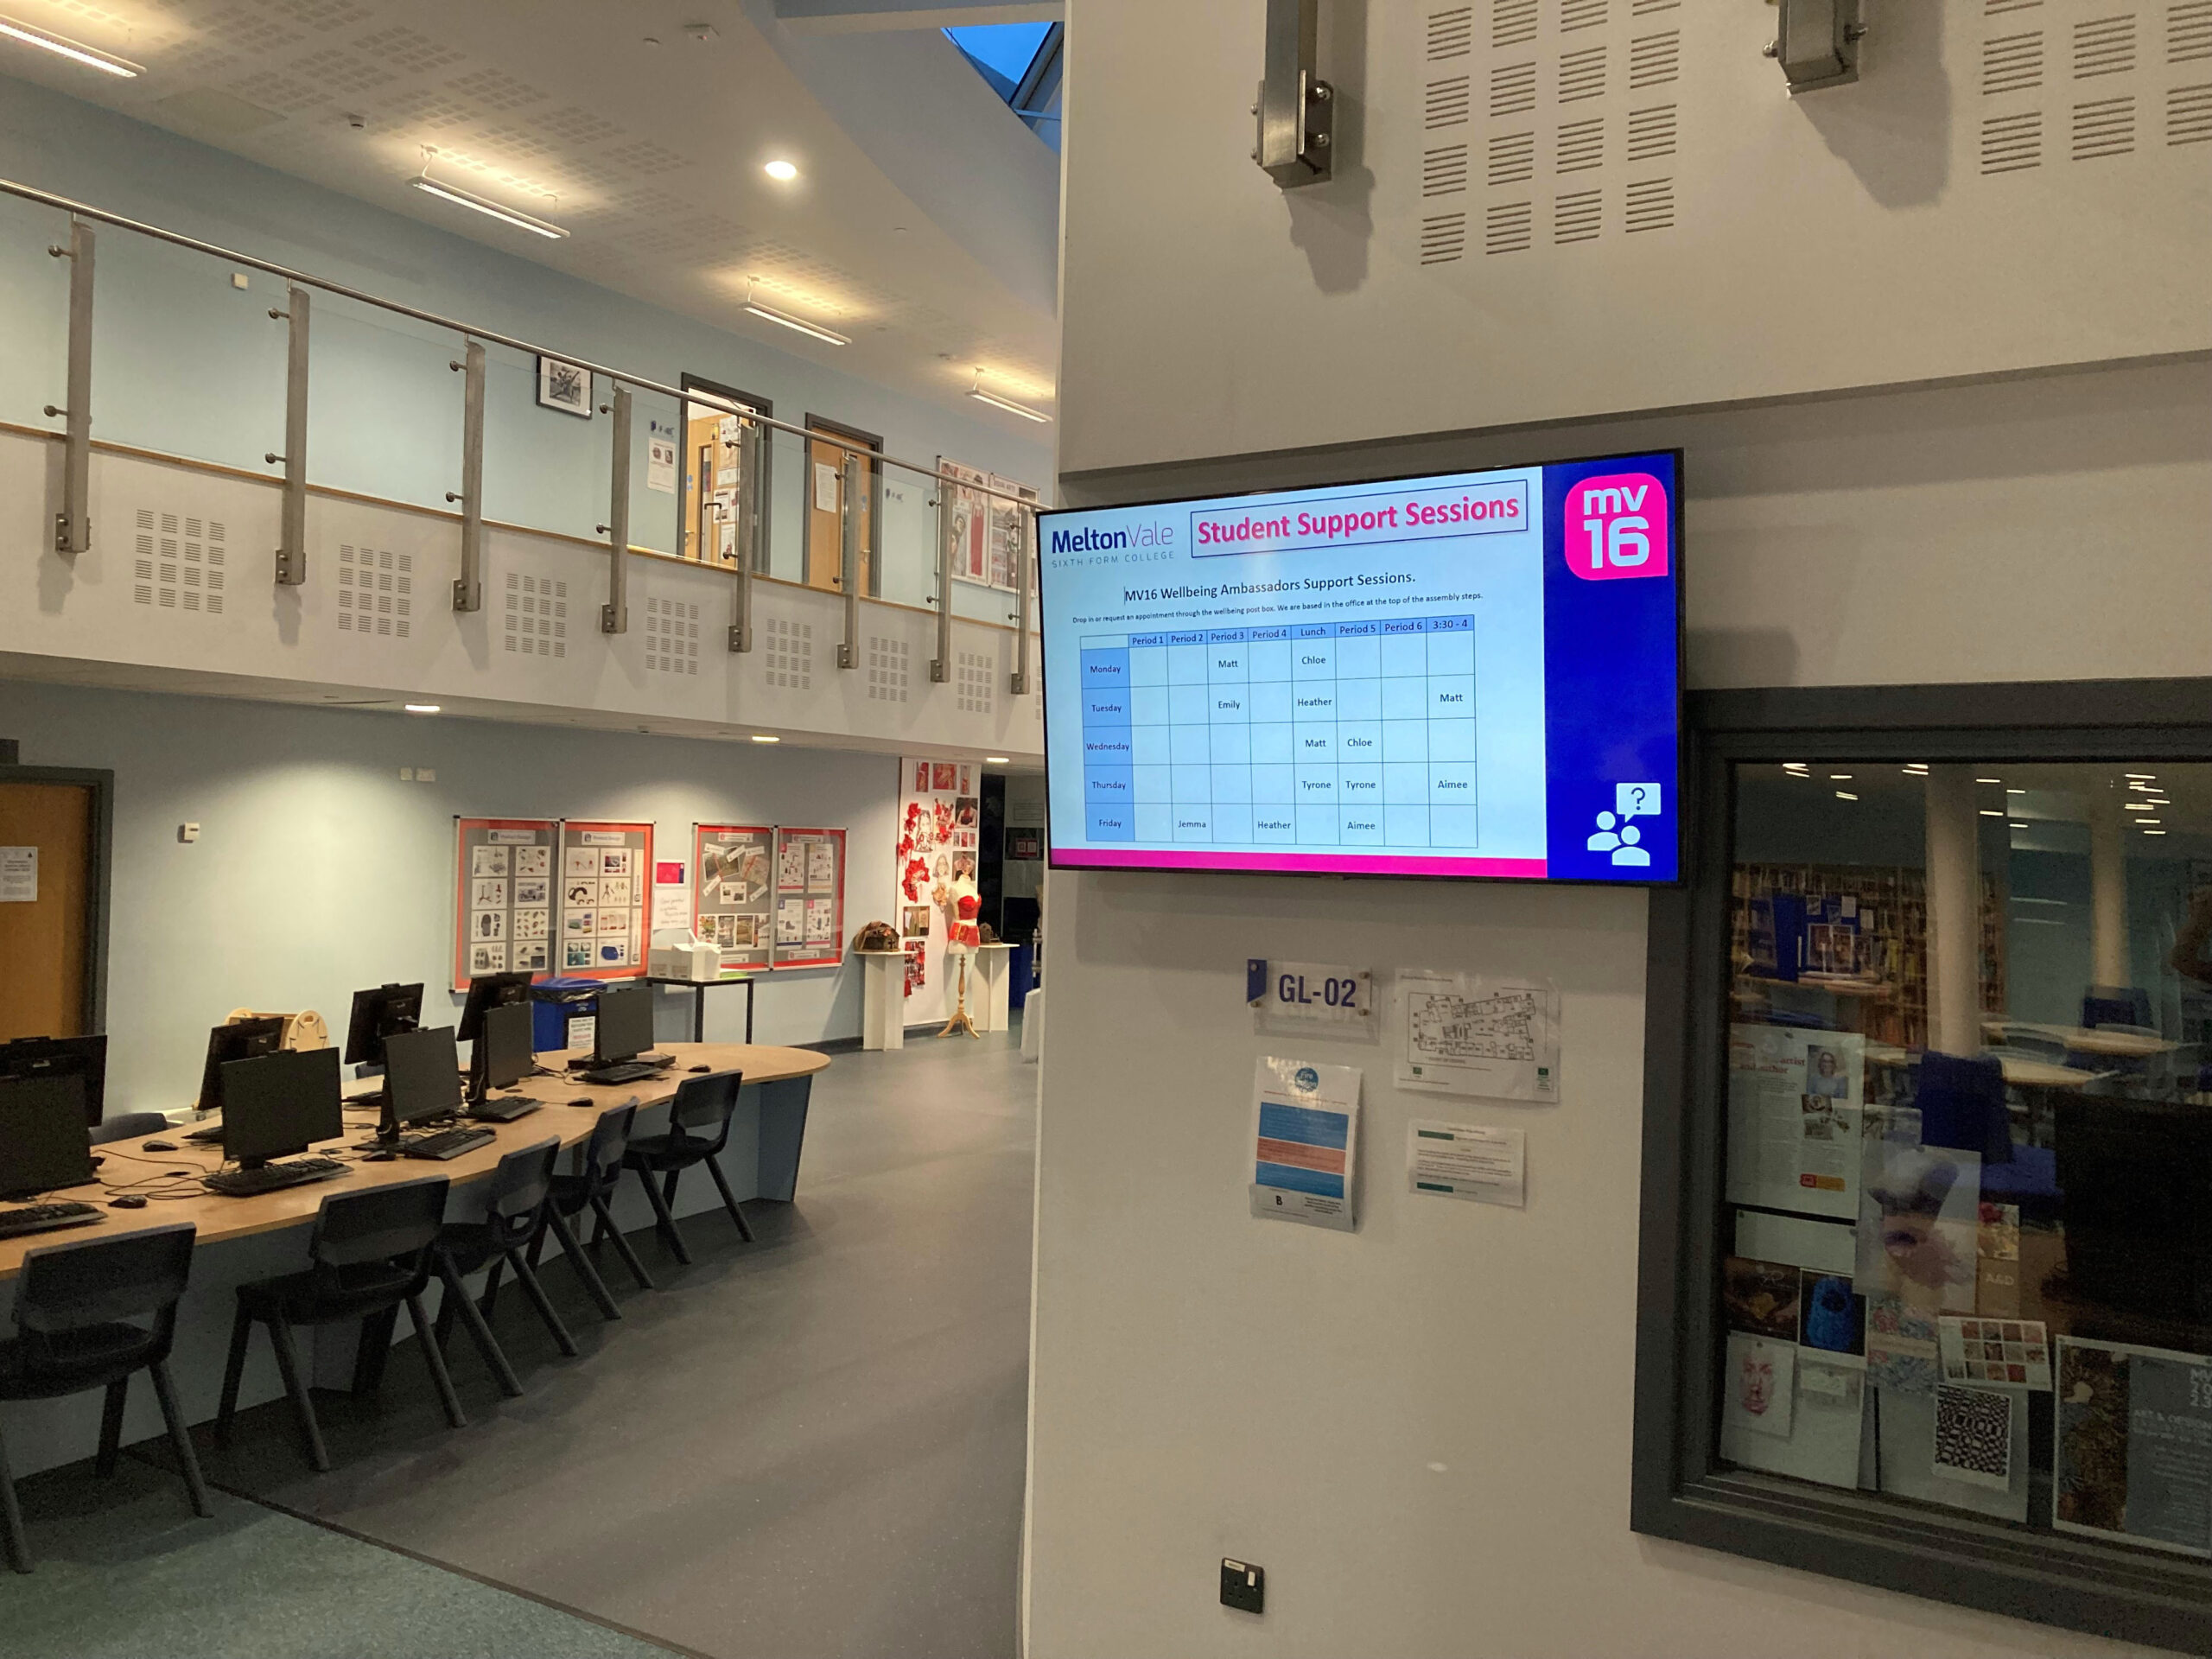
{"points": [[939, 821], [502, 896], [1009, 532], [732, 903], [810, 915], [604, 878], [967, 520]]}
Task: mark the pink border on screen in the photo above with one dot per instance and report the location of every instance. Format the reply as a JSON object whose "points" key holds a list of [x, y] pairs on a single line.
{"points": [[1523, 869]]}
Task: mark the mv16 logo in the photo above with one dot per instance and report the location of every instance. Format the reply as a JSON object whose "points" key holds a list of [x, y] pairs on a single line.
{"points": [[1617, 527]]}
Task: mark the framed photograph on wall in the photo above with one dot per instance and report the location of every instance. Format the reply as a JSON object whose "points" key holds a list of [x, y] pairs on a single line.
{"points": [[564, 386]]}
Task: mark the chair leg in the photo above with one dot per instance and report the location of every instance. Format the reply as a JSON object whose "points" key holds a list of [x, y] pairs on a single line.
{"points": [[118, 1392], [288, 1362], [543, 1303], [729, 1201], [490, 1302], [593, 1283], [605, 1228], [664, 1221], [234, 1372], [187, 1459], [436, 1361], [458, 1300], [11, 1517], [667, 1187]]}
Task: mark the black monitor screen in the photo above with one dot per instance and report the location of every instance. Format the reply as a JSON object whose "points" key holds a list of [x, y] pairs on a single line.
{"points": [[376, 1015], [278, 1104], [60, 1056], [625, 1026], [44, 1142], [422, 1073], [241, 1040], [488, 991], [504, 1053]]}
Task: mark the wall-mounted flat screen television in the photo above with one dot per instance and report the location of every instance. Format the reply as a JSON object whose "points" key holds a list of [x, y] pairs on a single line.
{"points": [[1472, 674]]}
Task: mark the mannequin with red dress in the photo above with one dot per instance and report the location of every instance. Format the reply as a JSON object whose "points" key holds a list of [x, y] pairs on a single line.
{"points": [[962, 935]]}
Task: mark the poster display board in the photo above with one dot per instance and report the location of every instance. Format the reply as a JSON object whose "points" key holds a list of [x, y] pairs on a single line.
{"points": [[809, 897], [502, 896], [940, 817], [605, 877], [732, 903], [989, 534], [1009, 531]]}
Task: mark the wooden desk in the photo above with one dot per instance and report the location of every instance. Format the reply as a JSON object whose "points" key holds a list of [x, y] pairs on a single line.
{"points": [[2088, 1040], [219, 1218]]}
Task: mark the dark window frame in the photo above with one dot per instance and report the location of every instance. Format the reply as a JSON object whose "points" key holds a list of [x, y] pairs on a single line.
{"points": [[1679, 1490]]}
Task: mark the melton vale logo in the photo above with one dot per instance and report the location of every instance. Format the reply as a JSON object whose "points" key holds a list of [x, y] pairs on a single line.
{"points": [[1617, 527]]}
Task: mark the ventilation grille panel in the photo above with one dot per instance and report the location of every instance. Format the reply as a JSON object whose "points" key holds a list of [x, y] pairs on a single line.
{"points": [[2189, 31], [376, 589], [2011, 143], [1512, 22], [1448, 104], [1512, 158], [2189, 114], [1512, 89], [1581, 146], [1578, 216], [889, 670], [673, 637], [790, 654], [1655, 59], [1650, 204], [1451, 34], [1651, 132], [2012, 63], [1443, 238], [178, 563], [536, 620], [2104, 126], [1581, 14], [2104, 45], [1507, 227], [975, 687], [1443, 172], [1581, 74]]}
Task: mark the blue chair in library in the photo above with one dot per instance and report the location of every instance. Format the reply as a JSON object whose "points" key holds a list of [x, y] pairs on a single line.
{"points": [[1961, 1102], [2116, 1005]]}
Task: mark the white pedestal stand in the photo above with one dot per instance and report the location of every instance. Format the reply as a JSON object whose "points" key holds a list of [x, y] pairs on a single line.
{"points": [[994, 983], [883, 999]]}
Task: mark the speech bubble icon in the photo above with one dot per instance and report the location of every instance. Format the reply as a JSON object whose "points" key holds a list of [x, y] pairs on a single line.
{"points": [[1636, 800]]}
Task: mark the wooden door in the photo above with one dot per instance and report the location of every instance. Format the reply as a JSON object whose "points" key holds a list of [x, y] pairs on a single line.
{"points": [[826, 507], [45, 943]]}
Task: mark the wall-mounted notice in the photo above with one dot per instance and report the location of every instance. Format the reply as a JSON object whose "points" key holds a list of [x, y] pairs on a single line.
{"points": [[810, 898], [1305, 1141], [605, 880], [18, 876], [1463, 1035], [1320, 999], [1463, 1160], [2134, 1444], [504, 880], [1795, 1103], [731, 901]]}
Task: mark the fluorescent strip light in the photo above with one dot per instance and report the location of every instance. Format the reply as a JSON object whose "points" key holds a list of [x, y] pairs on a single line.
{"points": [[2143, 777], [1991, 812], [1009, 405], [455, 194], [2147, 823], [998, 761], [2154, 832], [2016, 791], [769, 314], [2137, 806], [1989, 780], [1839, 776], [76, 51], [421, 708], [1845, 795], [763, 737]]}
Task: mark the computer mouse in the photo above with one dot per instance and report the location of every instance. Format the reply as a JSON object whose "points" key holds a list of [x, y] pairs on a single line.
{"points": [[379, 1157], [128, 1201], [698, 1068], [581, 1101], [157, 1146]]}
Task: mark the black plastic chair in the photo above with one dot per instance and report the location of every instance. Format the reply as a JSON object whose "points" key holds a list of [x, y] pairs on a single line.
{"points": [[698, 1128], [372, 1251], [514, 1214], [590, 1188], [76, 1311], [128, 1127]]}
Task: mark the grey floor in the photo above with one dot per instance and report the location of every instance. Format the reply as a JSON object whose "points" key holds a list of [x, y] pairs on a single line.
{"points": [[810, 1445]]}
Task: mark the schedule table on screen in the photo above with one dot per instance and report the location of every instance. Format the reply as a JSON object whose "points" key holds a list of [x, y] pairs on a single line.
{"points": [[1305, 734]]}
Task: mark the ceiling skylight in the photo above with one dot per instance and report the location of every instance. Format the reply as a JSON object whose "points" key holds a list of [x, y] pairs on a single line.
{"points": [[1022, 63]]}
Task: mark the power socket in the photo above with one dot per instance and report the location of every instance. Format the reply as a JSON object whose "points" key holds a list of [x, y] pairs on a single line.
{"points": [[1243, 1587]]}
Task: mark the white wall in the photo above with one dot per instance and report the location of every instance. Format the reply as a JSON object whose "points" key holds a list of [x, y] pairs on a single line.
{"points": [[1422, 1430], [1849, 237], [318, 871]]}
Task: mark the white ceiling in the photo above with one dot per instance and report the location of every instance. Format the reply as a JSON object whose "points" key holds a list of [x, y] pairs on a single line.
{"points": [[924, 223]]}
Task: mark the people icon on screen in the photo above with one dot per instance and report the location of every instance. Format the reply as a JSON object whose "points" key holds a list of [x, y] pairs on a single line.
{"points": [[1620, 842]]}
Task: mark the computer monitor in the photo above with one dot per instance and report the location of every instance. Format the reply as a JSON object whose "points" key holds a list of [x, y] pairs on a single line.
{"points": [[2135, 1175], [421, 1075], [376, 1015], [277, 1104], [505, 1053], [625, 1026], [241, 1040], [63, 1057], [491, 991], [44, 1140]]}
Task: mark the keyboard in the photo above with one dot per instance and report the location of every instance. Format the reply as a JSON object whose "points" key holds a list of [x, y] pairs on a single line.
{"points": [[447, 1143], [501, 1111], [210, 1136], [271, 1178], [45, 1218], [627, 1071]]}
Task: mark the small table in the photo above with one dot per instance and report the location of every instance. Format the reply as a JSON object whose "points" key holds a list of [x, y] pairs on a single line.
{"points": [[699, 988]]}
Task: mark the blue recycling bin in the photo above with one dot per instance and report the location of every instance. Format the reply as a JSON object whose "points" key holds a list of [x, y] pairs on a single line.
{"points": [[1023, 968], [554, 1002]]}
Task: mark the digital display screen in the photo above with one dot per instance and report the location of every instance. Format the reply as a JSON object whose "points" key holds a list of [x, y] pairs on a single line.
{"points": [[1474, 674]]}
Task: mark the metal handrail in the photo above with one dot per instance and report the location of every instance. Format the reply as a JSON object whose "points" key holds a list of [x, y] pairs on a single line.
{"points": [[303, 279]]}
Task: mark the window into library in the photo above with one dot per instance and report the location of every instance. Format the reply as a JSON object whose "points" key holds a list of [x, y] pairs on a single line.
{"points": [[1966, 1195]]}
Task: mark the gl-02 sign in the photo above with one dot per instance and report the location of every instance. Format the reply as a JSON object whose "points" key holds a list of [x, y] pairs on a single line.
{"points": [[1318, 997]]}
